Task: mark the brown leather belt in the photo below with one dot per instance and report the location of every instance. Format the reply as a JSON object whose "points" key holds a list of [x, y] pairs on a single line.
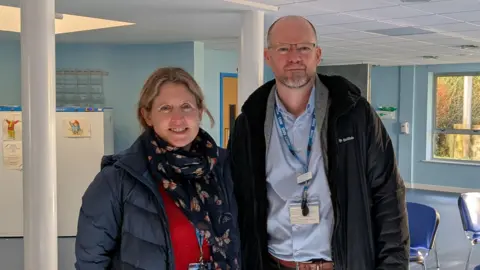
{"points": [[315, 265]]}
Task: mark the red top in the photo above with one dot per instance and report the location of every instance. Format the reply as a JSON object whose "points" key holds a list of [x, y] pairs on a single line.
{"points": [[182, 232]]}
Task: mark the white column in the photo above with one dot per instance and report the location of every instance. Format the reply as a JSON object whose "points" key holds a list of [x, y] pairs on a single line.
{"points": [[38, 123], [250, 69]]}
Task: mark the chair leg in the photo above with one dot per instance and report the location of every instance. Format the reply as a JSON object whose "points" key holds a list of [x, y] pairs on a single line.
{"points": [[469, 255], [424, 266], [436, 255]]}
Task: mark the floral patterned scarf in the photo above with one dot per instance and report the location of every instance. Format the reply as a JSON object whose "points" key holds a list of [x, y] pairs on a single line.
{"points": [[188, 178]]}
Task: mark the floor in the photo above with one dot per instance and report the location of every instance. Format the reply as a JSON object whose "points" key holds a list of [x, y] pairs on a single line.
{"points": [[452, 244]]}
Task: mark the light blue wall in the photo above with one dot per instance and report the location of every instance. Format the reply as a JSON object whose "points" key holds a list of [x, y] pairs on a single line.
{"points": [[128, 67], [216, 62], [268, 74], [9, 73], [408, 88]]}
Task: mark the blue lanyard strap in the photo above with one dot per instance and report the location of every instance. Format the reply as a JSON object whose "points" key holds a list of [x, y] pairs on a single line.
{"points": [[200, 239], [283, 130]]}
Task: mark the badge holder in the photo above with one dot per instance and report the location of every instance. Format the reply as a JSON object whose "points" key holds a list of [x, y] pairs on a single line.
{"points": [[201, 265], [198, 266], [298, 214]]}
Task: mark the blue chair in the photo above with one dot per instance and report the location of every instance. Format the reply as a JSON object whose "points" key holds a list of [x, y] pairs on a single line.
{"points": [[423, 223], [469, 207]]}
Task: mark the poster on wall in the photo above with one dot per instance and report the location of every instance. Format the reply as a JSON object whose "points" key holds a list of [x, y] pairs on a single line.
{"points": [[12, 127], [12, 155], [76, 128]]}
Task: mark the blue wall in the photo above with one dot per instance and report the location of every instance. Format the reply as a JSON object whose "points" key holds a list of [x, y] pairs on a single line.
{"points": [[128, 67], [10, 73], [216, 62], [407, 87]]}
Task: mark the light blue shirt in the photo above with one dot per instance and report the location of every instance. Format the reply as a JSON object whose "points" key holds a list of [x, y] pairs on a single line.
{"points": [[297, 242]]}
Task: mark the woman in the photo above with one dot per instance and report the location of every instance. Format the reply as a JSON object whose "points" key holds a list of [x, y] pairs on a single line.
{"points": [[167, 202]]}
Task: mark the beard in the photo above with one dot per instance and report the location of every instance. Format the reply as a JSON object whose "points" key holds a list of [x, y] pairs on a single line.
{"points": [[298, 79]]}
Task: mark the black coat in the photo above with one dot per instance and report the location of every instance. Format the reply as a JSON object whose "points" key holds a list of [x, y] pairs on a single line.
{"points": [[122, 223], [367, 192]]}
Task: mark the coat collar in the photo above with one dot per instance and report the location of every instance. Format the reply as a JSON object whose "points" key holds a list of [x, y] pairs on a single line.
{"points": [[342, 95]]}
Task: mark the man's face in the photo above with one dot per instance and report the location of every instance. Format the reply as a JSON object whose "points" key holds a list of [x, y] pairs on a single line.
{"points": [[293, 54]]}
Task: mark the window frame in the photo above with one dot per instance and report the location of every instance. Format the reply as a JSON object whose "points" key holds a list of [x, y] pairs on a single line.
{"points": [[433, 122]]}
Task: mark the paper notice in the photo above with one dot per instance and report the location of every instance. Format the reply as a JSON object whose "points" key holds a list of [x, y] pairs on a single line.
{"points": [[12, 155]]}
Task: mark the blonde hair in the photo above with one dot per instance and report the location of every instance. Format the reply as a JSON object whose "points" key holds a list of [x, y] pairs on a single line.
{"points": [[161, 76]]}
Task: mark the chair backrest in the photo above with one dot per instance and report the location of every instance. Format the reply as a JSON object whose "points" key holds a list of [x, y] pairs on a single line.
{"points": [[423, 223], [469, 207]]}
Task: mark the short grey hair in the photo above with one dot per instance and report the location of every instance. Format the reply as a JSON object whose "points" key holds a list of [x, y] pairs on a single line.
{"points": [[269, 32]]}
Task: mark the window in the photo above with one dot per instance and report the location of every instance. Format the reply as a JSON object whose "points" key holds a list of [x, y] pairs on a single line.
{"points": [[456, 133]]}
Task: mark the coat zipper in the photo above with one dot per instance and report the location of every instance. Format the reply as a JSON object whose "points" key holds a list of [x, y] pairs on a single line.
{"points": [[162, 208], [336, 245], [254, 197]]}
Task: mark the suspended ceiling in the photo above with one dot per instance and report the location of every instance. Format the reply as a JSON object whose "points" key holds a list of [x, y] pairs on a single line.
{"points": [[382, 32]]}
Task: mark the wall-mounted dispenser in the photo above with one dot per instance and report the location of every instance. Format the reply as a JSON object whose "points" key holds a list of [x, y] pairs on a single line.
{"points": [[405, 128]]}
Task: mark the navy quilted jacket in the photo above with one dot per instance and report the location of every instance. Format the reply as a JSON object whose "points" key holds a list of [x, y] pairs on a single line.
{"points": [[122, 223]]}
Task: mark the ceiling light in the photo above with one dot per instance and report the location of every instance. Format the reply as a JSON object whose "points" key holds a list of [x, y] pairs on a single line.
{"points": [[467, 46], [254, 4], [10, 21], [430, 57]]}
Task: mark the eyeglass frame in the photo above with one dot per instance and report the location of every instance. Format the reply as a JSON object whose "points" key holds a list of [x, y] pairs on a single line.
{"points": [[311, 47]]}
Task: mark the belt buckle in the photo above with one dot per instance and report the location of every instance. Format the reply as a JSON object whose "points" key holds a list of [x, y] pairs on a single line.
{"points": [[317, 266]]}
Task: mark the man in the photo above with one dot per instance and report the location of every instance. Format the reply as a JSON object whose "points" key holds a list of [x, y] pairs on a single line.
{"points": [[314, 169]]}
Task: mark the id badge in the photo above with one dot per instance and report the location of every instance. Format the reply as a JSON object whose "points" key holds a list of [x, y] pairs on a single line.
{"points": [[296, 216], [198, 266]]}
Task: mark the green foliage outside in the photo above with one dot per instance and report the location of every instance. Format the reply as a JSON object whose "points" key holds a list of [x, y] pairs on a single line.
{"points": [[449, 109]]}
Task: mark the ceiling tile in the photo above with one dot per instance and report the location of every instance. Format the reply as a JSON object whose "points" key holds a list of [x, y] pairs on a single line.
{"points": [[277, 2], [450, 41], [454, 27], [470, 34], [334, 19], [389, 13], [342, 6], [447, 6], [301, 9], [468, 16], [353, 35], [427, 37], [368, 25], [323, 29], [424, 20], [385, 40], [410, 44], [402, 31]]}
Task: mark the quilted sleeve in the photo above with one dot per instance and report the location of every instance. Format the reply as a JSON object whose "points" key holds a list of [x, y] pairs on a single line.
{"points": [[99, 222]]}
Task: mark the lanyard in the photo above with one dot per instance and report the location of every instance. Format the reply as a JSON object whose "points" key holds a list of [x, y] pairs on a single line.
{"points": [[283, 130]]}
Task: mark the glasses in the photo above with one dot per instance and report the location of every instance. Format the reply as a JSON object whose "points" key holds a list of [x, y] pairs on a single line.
{"points": [[302, 48]]}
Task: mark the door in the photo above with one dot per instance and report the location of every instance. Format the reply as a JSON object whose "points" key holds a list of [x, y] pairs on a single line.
{"points": [[229, 83]]}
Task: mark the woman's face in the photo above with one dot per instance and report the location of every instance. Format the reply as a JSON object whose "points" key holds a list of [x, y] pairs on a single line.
{"points": [[175, 116]]}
